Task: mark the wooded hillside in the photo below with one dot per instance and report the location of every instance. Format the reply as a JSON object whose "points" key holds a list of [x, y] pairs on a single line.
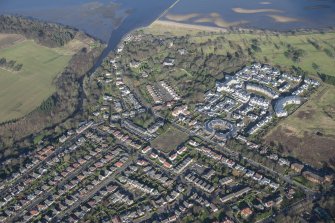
{"points": [[47, 34]]}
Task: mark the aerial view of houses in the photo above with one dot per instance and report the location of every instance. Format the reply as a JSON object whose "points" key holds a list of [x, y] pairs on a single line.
{"points": [[173, 126]]}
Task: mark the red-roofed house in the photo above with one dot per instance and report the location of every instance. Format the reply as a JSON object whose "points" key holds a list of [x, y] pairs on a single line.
{"points": [[118, 164], [167, 165], [246, 212]]}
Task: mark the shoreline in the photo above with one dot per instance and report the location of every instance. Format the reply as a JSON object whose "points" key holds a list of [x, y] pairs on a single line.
{"points": [[75, 29], [179, 25], [171, 25]]}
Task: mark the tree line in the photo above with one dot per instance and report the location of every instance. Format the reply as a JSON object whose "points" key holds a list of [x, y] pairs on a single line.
{"points": [[327, 78], [47, 34], [10, 65]]}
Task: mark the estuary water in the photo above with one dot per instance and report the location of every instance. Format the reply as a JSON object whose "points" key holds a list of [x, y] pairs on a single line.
{"points": [[106, 20], [279, 15], [110, 20]]}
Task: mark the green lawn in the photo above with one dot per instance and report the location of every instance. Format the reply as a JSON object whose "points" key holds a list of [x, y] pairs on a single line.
{"points": [[275, 55], [22, 92], [169, 140]]}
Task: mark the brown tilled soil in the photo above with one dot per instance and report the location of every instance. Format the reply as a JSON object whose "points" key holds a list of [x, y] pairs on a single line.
{"points": [[312, 148]]}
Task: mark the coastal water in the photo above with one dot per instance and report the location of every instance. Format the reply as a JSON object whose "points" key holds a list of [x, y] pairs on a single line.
{"points": [[261, 14], [104, 19], [110, 20]]}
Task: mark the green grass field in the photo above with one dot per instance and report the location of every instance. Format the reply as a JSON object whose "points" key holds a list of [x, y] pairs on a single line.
{"points": [[21, 92], [169, 140], [275, 55], [272, 46]]}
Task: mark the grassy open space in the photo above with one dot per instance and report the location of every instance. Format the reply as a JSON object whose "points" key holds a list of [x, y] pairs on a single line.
{"points": [[169, 140], [272, 45], [273, 48], [309, 133], [23, 91]]}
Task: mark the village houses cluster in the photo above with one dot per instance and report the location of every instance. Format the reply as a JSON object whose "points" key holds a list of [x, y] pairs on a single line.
{"points": [[121, 161]]}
